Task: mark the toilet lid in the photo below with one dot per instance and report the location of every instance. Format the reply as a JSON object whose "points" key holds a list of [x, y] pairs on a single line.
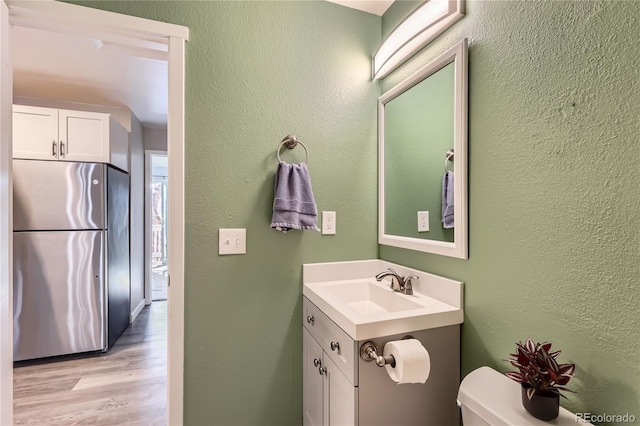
{"points": [[498, 400]]}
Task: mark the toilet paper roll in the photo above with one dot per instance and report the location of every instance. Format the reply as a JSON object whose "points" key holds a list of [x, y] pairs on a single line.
{"points": [[413, 363]]}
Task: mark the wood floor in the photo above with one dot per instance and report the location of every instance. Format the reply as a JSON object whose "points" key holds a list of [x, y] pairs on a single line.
{"points": [[126, 386]]}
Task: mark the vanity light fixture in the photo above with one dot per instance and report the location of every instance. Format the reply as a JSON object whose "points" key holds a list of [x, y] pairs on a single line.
{"points": [[424, 24]]}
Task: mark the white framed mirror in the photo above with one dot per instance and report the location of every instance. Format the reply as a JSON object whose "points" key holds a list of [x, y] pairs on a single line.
{"points": [[422, 166]]}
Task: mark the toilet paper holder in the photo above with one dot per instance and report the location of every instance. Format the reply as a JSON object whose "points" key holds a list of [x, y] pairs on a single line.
{"points": [[369, 352]]}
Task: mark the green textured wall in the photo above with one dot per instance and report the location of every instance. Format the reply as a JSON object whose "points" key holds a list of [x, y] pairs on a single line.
{"points": [[255, 72], [554, 176], [554, 184]]}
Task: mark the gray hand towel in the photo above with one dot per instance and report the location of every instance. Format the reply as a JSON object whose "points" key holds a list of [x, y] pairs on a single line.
{"points": [[294, 206], [447, 200]]}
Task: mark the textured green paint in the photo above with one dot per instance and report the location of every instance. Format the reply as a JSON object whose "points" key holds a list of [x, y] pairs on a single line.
{"points": [[255, 72], [554, 166], [418, 132], [554, 204]]}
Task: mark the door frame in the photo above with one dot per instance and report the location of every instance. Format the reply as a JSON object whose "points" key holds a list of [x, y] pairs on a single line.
{"points": [[6, 222], [148, 277], [139, 32]]}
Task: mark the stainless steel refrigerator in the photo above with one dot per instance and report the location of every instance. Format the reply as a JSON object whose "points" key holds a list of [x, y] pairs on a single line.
{"points": [[70, 257]]}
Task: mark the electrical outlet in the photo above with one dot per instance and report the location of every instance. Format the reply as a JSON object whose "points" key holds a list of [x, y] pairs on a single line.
{"points": [[328, 223], [423, 221], [232, 241]]}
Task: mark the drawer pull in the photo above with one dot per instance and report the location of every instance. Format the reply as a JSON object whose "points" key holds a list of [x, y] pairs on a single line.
{"points": [[322, 370], [335, 346], [317, 362], [310, 319], [55, 154]]}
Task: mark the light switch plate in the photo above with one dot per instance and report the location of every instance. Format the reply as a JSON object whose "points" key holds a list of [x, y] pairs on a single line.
{"points": [[423, 221], [328, 223], [232, 241]]}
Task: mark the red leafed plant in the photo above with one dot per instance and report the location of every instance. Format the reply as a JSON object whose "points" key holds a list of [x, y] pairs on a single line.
{"points": [[538, 368]]}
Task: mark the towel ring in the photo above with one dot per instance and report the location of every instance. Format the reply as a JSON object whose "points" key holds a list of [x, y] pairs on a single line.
{"points": [[291, 141], [449, 158]]}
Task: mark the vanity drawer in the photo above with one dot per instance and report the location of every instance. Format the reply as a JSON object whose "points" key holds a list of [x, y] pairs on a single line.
{"points": [[327, 332]]}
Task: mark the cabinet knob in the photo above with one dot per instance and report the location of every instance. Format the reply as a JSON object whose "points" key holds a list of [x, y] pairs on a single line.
{"points": [[335, 346], [310, 319], [322, 370], [317, 362]]}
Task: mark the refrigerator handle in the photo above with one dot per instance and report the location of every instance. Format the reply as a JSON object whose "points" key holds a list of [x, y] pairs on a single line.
{"points": [[61, 149], [55, 154]]}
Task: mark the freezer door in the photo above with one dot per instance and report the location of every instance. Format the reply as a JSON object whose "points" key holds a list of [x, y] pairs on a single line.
{"points": [[57, 195], [58, 293]]}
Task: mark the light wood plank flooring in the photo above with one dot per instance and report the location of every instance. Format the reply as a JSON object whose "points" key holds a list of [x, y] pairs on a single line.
{"points": [[125, 386]]}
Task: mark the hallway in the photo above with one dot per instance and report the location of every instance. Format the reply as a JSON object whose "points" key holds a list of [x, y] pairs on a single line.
{"points": [[127, 385], [159, 283]]}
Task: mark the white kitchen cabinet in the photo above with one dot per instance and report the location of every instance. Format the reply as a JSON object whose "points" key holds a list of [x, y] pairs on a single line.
{"points": [[65, 135], [35, 133], [328, 396]]}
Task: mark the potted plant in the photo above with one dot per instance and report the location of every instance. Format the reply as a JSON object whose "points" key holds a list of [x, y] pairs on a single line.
{"points": [[541, 376]]}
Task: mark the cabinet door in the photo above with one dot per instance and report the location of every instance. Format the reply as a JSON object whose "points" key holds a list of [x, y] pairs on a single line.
{"points": [[311, 381], [340, 396], [84, 136], [35, 133]]}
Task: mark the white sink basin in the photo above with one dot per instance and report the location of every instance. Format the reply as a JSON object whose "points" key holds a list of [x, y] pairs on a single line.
{"points": [[370, 299], [366, 309]]}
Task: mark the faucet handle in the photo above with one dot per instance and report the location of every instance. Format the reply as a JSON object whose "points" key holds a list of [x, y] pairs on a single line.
{"points": [[408, 287]]}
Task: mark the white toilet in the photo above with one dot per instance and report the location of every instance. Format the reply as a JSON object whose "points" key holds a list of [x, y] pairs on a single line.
{"points": [[488, 397]]}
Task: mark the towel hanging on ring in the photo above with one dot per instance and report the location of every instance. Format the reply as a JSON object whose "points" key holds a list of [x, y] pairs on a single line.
{"points": [[447, 193], [294, 206], [447, 201]]}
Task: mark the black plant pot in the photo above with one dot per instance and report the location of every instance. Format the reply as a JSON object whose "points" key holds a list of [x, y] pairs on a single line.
{"points": [[543, 406]]}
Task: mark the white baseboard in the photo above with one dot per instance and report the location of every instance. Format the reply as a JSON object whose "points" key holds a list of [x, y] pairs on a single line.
{"points": [[136, 311]]}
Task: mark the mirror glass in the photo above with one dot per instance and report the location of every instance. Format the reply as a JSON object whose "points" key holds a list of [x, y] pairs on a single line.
{"points": [[423, 158]]}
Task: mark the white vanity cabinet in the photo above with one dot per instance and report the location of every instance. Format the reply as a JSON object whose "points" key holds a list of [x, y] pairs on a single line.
{"points": [[340, 388], [330, 396], [64, 135]]}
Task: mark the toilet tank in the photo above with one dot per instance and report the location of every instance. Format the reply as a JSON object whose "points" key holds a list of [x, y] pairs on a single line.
{"points": [[489, 398]]}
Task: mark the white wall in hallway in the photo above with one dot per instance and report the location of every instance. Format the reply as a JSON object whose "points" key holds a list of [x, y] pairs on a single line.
{"points": [[155, 139], [136, 141]]}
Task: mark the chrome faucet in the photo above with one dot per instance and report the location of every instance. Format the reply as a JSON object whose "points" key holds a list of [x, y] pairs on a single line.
{"points": [[398, 283]]}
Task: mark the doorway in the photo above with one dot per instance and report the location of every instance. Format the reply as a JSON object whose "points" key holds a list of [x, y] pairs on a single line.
{"points": [[104, 26], [156, 229]]}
